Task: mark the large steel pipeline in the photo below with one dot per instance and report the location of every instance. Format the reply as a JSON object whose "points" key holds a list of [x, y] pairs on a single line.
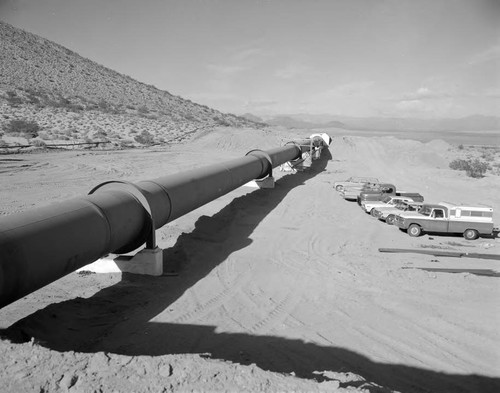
{"points": [[40, 246]]}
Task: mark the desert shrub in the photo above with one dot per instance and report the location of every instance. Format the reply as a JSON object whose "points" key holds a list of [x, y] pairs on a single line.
{"points": [[459, 164], [76, 107], [145, 138], [496, 168], [460, 147], [143, 109], [477, 168], [65, 103], [43, 135], [104, 106], [224, 122], [473, 168], [38, 143], [33, 97], [126, 144], [29, 129], [13, 99], [488, 156], [101, 134]]}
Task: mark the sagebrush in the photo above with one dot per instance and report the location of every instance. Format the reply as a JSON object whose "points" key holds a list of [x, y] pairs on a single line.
{"points": [[473, 168], [28, 129]]}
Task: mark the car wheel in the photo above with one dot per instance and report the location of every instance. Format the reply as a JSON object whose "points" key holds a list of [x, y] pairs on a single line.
{"points": [[339, 188], [372, 212], [471, 234], [390, 219], [414, 230]]}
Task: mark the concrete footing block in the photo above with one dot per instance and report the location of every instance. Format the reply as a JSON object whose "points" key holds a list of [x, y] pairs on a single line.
{"points": [[267, 182], [147, 262]]}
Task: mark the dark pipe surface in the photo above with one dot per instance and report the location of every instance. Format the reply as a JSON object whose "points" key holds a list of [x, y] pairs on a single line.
{"points": [[40, 246]]}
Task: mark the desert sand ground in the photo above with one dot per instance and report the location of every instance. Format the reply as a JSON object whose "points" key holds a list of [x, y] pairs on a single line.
{"points": [[278, 289]]}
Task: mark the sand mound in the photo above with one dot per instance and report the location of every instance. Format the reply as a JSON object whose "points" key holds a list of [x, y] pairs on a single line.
{"points": [[391, 152], [242, 140]]}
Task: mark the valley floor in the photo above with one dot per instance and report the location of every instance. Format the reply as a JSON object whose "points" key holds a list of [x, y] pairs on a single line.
{"points": [[278, 289]]}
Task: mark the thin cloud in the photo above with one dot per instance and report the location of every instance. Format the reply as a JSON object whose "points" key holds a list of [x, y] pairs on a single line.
{"points": [[224, 69], [421, 94], [411, 105], [490, 54], [260, 104], [416, 107], [237, 63], [208, 96], [247, 54], [292, 71], [348, 89]]}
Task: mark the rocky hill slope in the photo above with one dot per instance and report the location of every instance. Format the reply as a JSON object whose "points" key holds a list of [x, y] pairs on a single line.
{"points": [[46, 90]]}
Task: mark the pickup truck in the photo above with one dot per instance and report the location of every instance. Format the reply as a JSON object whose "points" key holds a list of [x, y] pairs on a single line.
{"points": [[446, 217], [388, 200], [389, 213], [352, 192], [354, 181], [383, 189]]}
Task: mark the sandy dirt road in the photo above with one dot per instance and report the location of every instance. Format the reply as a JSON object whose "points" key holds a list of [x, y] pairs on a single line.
{"points": [[288, 279]]}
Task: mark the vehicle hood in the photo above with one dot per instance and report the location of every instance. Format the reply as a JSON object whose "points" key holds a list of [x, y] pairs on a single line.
{"points": [[388, 209], [411, 215], [376, 204]]}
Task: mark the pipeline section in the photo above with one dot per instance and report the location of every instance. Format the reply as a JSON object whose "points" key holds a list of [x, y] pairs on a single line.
{"points": [[40, 246]]}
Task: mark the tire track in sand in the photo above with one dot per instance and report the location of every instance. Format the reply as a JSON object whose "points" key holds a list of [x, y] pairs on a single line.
{"points": [[198, 310]]}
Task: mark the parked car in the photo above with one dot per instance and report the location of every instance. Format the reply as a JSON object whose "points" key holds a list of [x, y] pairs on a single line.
{"points": [[389, 213], [383, 189], [354, 181], [446, 217], [388, 200]]}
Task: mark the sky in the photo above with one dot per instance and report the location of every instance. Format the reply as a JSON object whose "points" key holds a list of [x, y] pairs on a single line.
{"points": [[383, 58]]}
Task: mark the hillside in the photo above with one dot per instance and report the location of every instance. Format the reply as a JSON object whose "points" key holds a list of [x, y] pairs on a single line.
{"points": [[65, 97]]}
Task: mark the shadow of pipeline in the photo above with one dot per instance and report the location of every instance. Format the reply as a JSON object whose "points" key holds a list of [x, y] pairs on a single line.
{"points": [[80, 324]]}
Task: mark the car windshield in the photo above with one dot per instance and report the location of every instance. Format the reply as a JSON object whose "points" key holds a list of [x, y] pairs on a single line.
{"points": [[425, 211]]}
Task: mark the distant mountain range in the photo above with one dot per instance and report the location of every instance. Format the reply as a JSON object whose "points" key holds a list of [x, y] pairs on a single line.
{"points": [[69, 97], [307, 121]]}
